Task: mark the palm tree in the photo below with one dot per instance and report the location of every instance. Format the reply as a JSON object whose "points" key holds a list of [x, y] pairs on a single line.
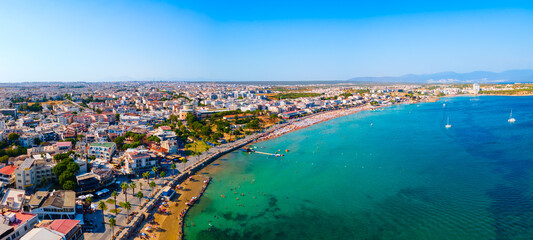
{"points": [[173, 167], [127, 205], [154, 169], [140, 195], [114, 194], [183, 159], [152, 185], [140, 185], [89, 200], [112, 224], [162, 174], [102, 207], [133, 186], [146, 175], [125, 187]]}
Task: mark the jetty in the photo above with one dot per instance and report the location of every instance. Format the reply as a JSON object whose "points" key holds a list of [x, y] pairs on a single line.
{"points": [[270, 154]]}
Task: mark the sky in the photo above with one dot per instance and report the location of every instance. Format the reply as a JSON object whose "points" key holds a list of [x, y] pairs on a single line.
{"points": [[237, 40]]}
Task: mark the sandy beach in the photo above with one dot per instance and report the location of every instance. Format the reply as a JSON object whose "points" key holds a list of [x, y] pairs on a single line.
{"points": [[170, 225], [314, 119]]}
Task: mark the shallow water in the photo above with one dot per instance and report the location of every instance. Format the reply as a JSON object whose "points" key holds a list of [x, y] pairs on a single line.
{"points": [[405, 177]]}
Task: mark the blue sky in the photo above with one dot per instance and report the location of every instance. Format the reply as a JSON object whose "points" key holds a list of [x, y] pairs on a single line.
{"points": [[259, 40]]}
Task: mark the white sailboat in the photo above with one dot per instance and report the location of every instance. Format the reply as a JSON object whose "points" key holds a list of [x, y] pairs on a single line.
{"points": [[448, 125], [511, 118]]}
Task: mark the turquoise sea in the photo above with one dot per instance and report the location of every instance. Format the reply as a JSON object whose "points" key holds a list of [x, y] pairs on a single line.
{"points": [[404, 177]]}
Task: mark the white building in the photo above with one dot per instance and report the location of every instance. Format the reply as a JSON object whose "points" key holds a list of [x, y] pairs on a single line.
{"points": [[7, 174], [56, 205], [32, 172], [102, 150], [138, 161], [14, 225], [476, 88], [13, 199]]}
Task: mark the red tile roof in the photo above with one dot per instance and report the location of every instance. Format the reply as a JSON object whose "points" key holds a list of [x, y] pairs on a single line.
{"points": [[8, 170], [63, 144], [63, 226], [21, 218]]}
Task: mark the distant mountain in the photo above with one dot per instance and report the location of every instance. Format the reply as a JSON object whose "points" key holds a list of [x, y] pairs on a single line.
{"points": [[513, 76]]}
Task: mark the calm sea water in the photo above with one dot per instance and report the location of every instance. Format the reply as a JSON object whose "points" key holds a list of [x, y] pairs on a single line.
{"points": [[405, 177]]}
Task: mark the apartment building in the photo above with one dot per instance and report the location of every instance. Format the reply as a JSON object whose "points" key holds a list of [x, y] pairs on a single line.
{"points": [[15, 224], [7, 174], [139, 161], [103, 150], [32, 172]]}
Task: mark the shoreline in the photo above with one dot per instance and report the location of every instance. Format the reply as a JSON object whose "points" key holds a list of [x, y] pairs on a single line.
{"points": [[167, 226], [314, 119]]}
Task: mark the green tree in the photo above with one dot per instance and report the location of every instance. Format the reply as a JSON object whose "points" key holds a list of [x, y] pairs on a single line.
{"points": [[140, 185], [126, 205], [102, 207], [254, 124], [114, 194], [146, 175], [133, 186], [152, 185], [153, 139], [99, 111], [206, 130], [119, 141], [154, 169], [162, 174], [124, 187], [89, 200], [13, 137], [117, 117], [112, 224], [173, 167], [70, 185], [140, 195]]}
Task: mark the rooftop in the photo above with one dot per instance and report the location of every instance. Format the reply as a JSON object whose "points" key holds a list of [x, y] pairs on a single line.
{"points": [[27, 164], [107, 144], [63, 144], [37, 198], [63, 226], [8, 170], [61, 199], [41, 233], [19, 218], [13, 198]]}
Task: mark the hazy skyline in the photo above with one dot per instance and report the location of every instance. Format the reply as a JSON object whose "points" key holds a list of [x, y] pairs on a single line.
{"points": [[247, 41]]}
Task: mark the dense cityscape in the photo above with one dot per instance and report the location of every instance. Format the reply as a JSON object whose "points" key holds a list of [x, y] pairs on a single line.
{"points": [[94, 159]]}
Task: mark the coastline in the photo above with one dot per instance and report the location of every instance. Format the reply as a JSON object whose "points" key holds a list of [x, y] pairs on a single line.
{"points": [[171, 226], [314, 119]]}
